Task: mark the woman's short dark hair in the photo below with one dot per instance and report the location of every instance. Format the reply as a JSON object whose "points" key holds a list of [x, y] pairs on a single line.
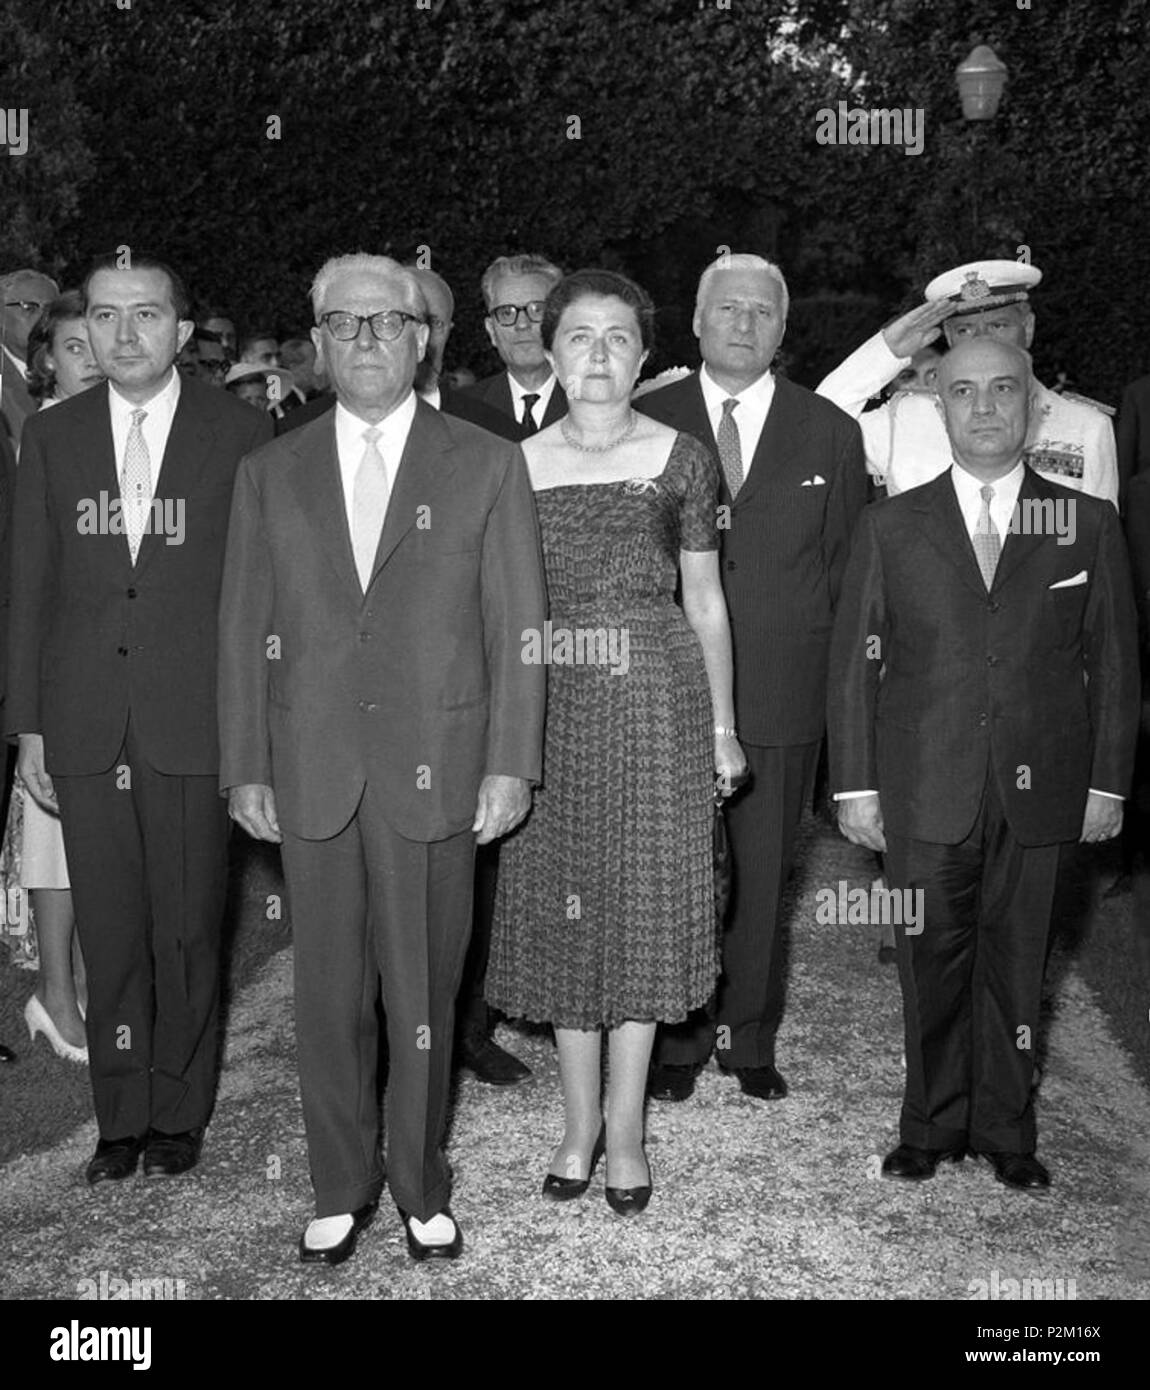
{"points": [[583, 284], [41, 377]]}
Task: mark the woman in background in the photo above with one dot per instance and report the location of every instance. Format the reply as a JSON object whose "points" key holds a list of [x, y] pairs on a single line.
{"points": [[60, 365]]}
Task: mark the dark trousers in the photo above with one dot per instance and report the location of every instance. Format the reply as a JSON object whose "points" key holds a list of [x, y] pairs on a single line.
{"points": [[472, 1012], [147, 861], [370, 907], [761, 826], [972, 983]]}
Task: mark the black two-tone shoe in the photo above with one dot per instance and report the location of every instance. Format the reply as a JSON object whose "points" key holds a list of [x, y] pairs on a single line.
{"points": [[424, 1250], [557, 1189], [342, 1249]]}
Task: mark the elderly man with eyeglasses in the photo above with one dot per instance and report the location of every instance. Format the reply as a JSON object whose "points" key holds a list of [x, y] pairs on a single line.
{"points": [[25, 294], [514, 289], [377, 720]]}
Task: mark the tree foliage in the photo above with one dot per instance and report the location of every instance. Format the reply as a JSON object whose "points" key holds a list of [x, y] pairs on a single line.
{"points": [[448, 125]]}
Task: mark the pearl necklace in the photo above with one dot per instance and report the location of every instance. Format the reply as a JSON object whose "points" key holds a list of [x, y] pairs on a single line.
{"points": [[564, 429]]}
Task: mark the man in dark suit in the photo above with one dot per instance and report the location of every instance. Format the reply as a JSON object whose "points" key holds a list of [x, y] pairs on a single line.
{"points": [[7, 497], [1133, 434], [24, 295], [794, 482], [514, 289], [982, 714], [377, 719], [121, 509]]}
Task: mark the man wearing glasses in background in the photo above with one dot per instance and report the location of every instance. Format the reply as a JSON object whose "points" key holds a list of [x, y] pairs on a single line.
{"points": [[514, 288], [377, 721], [25, 294]]}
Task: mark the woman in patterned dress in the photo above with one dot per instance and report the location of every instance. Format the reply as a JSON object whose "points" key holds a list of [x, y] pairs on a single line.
{"points": [[605, 917]]}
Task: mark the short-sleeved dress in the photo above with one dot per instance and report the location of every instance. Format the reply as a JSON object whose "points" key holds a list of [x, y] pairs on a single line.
{"points": [[605, 908]]}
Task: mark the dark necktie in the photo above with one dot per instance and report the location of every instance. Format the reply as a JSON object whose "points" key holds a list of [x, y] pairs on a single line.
{"points": [[730, 449], [528, 421]]}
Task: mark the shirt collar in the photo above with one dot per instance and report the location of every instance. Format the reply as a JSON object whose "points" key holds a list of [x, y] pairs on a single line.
{"points": [[759, 392], [393, 429], [543, 392], [21, 367], [165, 399], [968, 488]]}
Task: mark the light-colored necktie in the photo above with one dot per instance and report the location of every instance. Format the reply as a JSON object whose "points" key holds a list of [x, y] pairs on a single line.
{"points": [[987, 541], [136, 484], [368, 506], [730, 449]]}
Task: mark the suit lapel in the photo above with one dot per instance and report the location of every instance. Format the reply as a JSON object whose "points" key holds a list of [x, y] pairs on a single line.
{"points": [[319, 490], [556, 406], [189, 444], [1017, 546], [780, 438], [943, 520], [423, 473]]}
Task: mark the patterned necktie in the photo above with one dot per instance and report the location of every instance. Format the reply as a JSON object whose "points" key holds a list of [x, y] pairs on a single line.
{"points": [[368, 506], [730, 450], [528, 421], [987, 541], [136, 484]]}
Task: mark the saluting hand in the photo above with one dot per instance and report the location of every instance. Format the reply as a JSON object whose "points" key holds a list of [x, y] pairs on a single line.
{"points": [[918, 328]]}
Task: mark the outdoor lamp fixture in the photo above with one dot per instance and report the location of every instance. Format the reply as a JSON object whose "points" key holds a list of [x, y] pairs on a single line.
{"points": [[980, 79]]}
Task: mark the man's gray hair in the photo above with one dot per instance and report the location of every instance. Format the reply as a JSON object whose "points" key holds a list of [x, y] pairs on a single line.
{"points": [[741, 260], [377, 265], [530, 264], [10, 277]]}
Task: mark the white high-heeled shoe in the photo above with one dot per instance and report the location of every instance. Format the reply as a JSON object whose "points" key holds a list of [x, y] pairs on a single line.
{"points": [[39, 1020]]}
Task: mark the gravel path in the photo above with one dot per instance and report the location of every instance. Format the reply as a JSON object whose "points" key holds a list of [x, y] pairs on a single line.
{"points": [[780, 1200]]}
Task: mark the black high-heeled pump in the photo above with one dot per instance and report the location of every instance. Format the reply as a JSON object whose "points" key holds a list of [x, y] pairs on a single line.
{"points": [[628, 1201], [559, 1189]]}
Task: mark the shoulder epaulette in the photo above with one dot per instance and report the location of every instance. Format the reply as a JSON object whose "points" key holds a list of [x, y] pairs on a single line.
{"points": [[1085, 400]]}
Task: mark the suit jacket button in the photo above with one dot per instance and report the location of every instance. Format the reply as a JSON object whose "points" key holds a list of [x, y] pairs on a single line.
{"points": [[994, 605], [992, 661], [982, 720], [731, 564], [131, 593]]}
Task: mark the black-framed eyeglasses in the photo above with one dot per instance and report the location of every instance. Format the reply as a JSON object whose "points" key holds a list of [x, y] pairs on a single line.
{"points": [[386, 325], [507, 315], [29, 306]]}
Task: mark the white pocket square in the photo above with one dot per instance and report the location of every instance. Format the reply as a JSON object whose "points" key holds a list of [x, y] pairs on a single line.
{"points": [[1079, 578], [817, 481]]}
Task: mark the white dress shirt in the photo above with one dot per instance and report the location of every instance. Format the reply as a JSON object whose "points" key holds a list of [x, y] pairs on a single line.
{"points": [[539, 408], [754, 403], [350, 444], [968, 490], [161, 410]]}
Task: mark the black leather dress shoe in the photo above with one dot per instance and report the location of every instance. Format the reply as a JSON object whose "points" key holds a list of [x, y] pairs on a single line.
{"points": [[1022, 1171], [672, 1082], [343, 1249], [566, 1189], [6, 1054], [917, 1164], [490, 1062], [114, 1159], [764, 1083], [420, 1251], [169, 1155]]}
